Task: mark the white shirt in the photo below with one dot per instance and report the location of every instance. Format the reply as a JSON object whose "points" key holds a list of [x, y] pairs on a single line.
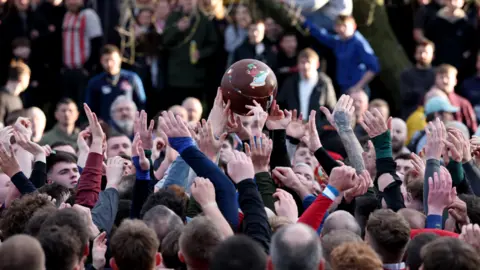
{"points": [[305, 89]]}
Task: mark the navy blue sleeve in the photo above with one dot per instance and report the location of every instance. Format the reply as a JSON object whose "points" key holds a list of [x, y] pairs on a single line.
{"points": [[139, 95], [224, 188], [39, 174], [22, 183]]}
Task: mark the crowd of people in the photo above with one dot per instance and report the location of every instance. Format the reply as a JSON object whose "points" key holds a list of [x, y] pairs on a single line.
{"points": [[119, 151]]}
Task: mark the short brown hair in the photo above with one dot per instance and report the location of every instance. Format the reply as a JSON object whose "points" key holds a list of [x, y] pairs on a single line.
{"points": [[17, 70], [445, 69], [20, 42], [134, 246], [355, 256], [21, 252], [341, 19], [309, 54], [198, 240], [389, 233], [336, 238], [415, 188], [426, 43], [448, 253], [110, 49]]}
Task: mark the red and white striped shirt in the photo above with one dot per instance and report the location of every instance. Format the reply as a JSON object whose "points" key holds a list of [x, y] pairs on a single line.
{"points": [[78, 30]]}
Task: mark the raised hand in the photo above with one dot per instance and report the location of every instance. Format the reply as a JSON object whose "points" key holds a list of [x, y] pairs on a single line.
{"points": [[28, 145], [82, 140], [6, 134], [440, 193], [462, 142], [311, 138], [93, 124], [174, 127], [374, 123], [436, 137], [204, 192], [471, 235], [278, 119], [363, 181], [218, 116], [8, 162], [240, 167], [418, 165], [140, 126], [99, 249], [296, 128], [458, 211], [114, 171], [259, 150], [137, 150], [285, 205], [236, 126], [207, 142], [453, 145], [24, 126], [343, 113], [343, 178], [258, 114]]}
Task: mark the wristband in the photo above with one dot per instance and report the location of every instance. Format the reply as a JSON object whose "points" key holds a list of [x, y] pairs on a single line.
{"points": [[330, 192], [140, 173], [210, 204], [434, 222], [181, 143]]}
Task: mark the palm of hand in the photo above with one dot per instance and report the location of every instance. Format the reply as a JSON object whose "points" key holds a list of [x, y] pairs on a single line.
{"points": [[281, 123], [296, 129]]}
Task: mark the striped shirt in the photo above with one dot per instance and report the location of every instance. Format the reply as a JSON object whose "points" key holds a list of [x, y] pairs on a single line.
{"points": [[78, 30]]}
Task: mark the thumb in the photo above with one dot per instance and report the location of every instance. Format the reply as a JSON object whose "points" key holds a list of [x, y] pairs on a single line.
{"points": [[389, 124], [223, 137]]}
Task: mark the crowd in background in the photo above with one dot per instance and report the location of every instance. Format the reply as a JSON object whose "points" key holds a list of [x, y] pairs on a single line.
{"points": [[118, 151]]}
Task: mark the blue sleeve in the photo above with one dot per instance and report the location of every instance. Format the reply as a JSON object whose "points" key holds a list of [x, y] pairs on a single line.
{"points": [[22, 183], [321, 34], [141, 188], [319, 230], [139, 92], [367, 56], [307, 201], [434, 222], [91, 97], [177, 174], [204, 167]]}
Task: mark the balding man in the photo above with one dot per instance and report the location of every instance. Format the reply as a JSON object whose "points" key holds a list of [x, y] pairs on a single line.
{"points": [[294, 247], [194, 109], [122, 113], [21, 252], [415, 219], [340, 220], [162, 220], [399, 137]]}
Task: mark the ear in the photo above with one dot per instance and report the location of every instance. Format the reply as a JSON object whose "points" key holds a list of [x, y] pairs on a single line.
{"points": [[181, 257], [269, 263], [113, 264], [158, 259]]}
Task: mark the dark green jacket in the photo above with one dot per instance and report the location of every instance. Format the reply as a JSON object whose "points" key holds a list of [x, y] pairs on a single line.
{"points": [[181, 72]]}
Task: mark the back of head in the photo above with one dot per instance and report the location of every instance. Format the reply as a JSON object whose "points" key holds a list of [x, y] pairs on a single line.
{"points": [[61, 245], [162, 220], [72, 219], [37, 220], [473, 207], [17, 70], [296, 246], [169, 248], [134, 246], [21, 252], [238, 253], [168, 198], [415, 219], [414, 261], [340, 220], [355, 256], [388, 233], [197, 242], [448, 253], [336, 238], [16, 216]]}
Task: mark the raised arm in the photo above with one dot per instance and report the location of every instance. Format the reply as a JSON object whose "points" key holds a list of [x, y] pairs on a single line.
{"points": [[342, 120]]}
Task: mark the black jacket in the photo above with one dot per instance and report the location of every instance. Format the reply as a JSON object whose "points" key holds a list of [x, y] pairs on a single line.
{"points": [[247, 51]]}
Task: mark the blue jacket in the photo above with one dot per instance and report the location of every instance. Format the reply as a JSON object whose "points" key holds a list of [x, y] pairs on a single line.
{"points": [[103, 89], [354, 56]]}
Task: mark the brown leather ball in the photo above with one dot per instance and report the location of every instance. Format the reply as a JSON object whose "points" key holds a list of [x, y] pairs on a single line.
{"points": [[248, 80]]}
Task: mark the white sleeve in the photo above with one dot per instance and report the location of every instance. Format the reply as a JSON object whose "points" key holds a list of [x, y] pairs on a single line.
{"points": [[310, 5], [94, 27]]}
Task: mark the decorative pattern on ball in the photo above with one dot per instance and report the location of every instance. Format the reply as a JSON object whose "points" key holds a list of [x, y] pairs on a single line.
{"points": [[248, 80]]}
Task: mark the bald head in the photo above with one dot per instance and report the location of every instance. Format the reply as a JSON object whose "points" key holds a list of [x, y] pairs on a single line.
{"points": [[180, 111], [399, 134], [336, 238], [194, 109], [296, 246], [21, 252], [360, 102], [415, 219], [162, 220], [340, 220]]}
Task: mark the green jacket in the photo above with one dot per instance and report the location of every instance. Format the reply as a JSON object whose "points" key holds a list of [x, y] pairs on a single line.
{"points": [[181, 72]]}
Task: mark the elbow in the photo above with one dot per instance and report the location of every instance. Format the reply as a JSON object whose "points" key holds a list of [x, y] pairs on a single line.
{"points": [[374, 66]]}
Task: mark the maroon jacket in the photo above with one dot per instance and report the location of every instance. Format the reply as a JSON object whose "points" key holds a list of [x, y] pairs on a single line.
{"points": [[90, 183]]}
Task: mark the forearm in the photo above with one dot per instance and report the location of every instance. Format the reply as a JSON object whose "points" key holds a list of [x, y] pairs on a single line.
{"points": [[473, 176], [279, 156], [24, 159], [313, 216], [327, 162], [89, 184], [433, 166], [105, 210], [22, 183], [178, 173], [160, 172], [141, 188], [267, 188], [353, 148], [366, 79], [220, 222], [39, 174]]}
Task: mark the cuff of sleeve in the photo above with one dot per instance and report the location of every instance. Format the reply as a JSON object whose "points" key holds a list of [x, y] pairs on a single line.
{"points": [[331, 192], [383, 145], [40, 166], [456, 169], [140, 174], [434, 222], [181, 143]]}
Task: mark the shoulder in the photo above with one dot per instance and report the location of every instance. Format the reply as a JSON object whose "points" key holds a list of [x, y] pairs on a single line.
{"points": [[97, 79], [362, 42], [89, 13], [322, 77]]}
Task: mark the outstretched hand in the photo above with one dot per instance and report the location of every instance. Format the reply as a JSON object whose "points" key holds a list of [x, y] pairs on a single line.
{"points": [[311, 138], [296, 128], [174, 127], [440, 193], [436, 137], [259, 150], [240, 167], [207, 142], [140, 126], [342, 116], [374, 124], [278, 119]]}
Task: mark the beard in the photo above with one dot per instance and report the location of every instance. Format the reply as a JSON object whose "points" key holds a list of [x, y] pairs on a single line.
{"points": [[126, 126], [397, 146]]}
